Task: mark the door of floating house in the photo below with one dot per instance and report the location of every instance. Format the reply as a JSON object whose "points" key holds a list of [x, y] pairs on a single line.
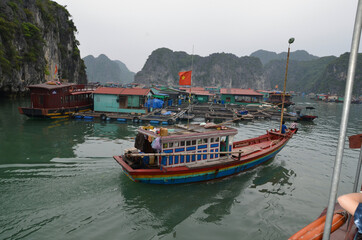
{"points": [[133, 101]]}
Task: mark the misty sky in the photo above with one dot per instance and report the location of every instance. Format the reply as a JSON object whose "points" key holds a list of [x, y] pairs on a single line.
{"points": [[129, 30]]}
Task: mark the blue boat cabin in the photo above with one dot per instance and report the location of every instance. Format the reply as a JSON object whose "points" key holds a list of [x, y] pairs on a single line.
{"points": [[178, 141]]}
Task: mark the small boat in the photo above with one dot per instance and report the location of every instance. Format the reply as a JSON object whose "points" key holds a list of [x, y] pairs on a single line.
{"points": [[195, 153], [307, 116], [58, 100]]}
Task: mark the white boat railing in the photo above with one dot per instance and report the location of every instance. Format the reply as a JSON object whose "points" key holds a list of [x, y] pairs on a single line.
{"points": [[179, 154]]}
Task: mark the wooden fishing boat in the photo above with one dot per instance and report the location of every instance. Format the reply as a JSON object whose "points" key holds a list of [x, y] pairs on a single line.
{"points": [[58, 100], [307, 116], [196, 153]]}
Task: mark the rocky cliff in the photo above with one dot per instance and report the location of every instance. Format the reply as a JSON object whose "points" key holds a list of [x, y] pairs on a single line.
{"points": [[219, 69], [36, 37]]}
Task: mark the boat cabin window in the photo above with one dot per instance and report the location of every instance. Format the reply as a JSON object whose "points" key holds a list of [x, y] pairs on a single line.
{"points": [[176, 144], [211, 140], [165, 145], [205, 140], [199, 141], [188, 143], [170, 144], [182, 143], [61, 100], [193, 142]]}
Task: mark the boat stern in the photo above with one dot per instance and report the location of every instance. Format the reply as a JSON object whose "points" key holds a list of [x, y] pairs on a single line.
{"points": [[125, 167]]}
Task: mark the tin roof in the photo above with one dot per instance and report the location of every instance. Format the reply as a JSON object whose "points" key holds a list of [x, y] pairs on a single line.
{"points": [[193, 88], [122, 91], [239, 91], [196, 91]]}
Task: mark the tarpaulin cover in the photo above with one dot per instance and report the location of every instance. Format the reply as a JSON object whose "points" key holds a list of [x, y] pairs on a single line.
{"points": [[154, 103]]}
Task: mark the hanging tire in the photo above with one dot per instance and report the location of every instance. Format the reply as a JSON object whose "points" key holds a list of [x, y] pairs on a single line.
{"points": [[136, 120]]}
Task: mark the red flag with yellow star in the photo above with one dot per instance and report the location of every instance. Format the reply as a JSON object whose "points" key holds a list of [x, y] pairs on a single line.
{"points": [[185, 78]]}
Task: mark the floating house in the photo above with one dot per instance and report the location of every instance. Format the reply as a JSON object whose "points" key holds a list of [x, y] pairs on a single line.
{"points": [[322, 97], [121, 100], [240, 96], [199, 94], [215, 90], [276, 98], [58, 100], [167, 94]]}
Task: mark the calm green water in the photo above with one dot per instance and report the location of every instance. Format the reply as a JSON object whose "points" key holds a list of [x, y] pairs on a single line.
{"points": [[58, 180]]}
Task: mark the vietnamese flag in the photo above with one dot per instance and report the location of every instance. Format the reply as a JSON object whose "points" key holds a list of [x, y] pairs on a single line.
{"points": [[185, 78]]}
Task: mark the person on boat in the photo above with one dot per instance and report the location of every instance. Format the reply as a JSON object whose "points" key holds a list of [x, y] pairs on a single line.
{"points": [[222, 147], [293, 126], [352, 203], [284, 128]]}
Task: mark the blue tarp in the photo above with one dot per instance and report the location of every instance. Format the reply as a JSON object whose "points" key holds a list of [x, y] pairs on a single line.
{"points": [[154, 103]]}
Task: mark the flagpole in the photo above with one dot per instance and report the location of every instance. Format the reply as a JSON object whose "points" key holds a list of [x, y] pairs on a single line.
{"points": [[192, 65]]}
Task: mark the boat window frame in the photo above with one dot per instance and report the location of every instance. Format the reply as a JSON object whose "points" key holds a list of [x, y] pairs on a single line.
{"points": [[196, 142]]}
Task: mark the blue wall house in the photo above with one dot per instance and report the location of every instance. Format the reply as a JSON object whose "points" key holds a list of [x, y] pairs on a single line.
{"points": [[121, 100]]}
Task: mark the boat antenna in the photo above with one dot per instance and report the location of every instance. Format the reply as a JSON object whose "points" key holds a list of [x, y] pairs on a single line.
{"points": [[192, 65], [290, 41], [344, 121]]}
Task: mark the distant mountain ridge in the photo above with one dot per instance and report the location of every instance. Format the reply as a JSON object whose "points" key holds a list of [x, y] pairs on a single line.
{"points": [[306, 73], [267, 56], [218, 69], [103, 70]]}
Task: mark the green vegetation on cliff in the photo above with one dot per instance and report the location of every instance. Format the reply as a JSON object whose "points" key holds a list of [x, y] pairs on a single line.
{"points": [[35, 35]]}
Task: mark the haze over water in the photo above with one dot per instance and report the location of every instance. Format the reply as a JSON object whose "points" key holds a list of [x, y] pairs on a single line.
{"points": [[58, 180]]}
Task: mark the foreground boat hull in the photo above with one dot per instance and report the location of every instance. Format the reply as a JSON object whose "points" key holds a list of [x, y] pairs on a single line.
{"points": [[342, 227], [184, 174]]}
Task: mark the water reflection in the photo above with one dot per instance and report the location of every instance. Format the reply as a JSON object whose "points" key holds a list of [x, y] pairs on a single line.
{"points": [[40, 140], [171, 205], [274, 179]]}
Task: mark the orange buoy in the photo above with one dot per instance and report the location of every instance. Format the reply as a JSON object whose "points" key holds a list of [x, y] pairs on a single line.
{"points": [[314, 231]]}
